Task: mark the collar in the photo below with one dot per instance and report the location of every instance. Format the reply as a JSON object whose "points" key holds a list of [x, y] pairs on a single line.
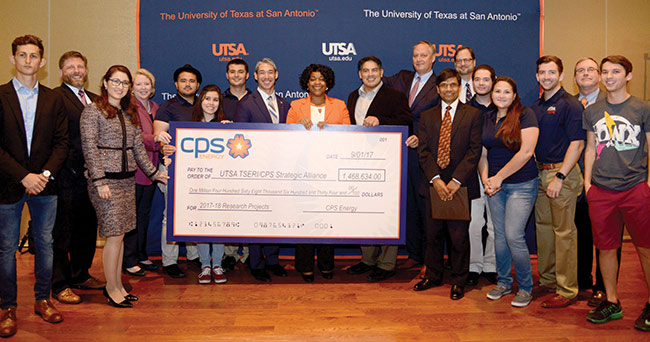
{"points": [[453, 105], [74, 89], [21, 88], [424, 77], [264, 94], [183, 101], [362, 90], [560, 92]]}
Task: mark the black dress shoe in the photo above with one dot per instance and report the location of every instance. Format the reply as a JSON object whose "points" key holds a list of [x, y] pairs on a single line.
{"points": [[229, 263], [138, 273], [472, 278], [327, 274], [123, 304], [457, 292], [378, 274], [426, 284], [261, 275], [308, 278], [359, 268], [173, 271], [277, 270], [195, 262], [148, 267], [490, 276], [131, 298]]}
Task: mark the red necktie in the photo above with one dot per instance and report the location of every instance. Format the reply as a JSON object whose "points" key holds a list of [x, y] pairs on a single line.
{"points": [[414, 91], [444, 144], [82, 97]]}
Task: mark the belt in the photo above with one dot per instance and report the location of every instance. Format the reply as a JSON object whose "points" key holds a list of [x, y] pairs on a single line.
{"points": [[549, 166]]}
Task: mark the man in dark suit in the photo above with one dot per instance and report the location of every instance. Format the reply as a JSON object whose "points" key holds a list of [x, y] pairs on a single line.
{"points": [[371, 105], [33, 146], [75, 229], [449, 151], [262, 105], [420, 88]]}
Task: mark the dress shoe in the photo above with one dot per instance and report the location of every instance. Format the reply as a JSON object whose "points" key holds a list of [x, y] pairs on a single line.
{"points": [[472, 278], [229, 263], [596, 298], [379, 274], [139, 273], [67, 296], [557, 302], [123, 304], [131, 298], [425, 284], [195, 262], [148, 266], [327, 274], [490, 276], [91, 283], [308, 278], [359, 268], [8, 325], [408, 264], [457, 292], [47, 311], [277, 270], [173, 271], [261, 275], [447, 264]]}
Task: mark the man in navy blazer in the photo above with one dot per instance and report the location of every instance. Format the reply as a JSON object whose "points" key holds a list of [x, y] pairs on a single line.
{"points": [[446, 177], [263, 105], [419, 86], [376, 104], [75, 229], [33, 146]]}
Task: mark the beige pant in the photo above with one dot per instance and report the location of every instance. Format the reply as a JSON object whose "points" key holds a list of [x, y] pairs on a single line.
{"points": [[386, 260]]}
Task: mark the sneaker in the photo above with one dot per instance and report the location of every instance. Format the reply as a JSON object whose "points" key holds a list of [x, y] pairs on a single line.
{"points": [[205, 276], [605, 312], [497, 292], [643, 322], [217, 274], [522, 299]]}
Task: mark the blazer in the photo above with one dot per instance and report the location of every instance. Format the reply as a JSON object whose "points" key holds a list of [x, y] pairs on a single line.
{"points": [[466, 147], [73, 108], [49, 143], [427, 97], [335, 111], [146, 126], [389, 106], [252, 108]]}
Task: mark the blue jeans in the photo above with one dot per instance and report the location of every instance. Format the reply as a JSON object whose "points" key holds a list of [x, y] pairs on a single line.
{"points": [[510, 209], [42, 210], [217, 254]]}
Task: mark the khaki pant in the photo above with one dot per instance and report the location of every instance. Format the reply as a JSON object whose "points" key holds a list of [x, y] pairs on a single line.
{"points": [[386, 260]]}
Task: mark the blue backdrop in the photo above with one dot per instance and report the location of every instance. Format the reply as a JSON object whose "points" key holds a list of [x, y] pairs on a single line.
{"points": [[207, 34]]}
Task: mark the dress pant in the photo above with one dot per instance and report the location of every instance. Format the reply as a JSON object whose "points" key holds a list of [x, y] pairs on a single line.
{"points": [[263, 255], [135, 241], [382, 256], [481, 258], [305, 257], [458, 249], [557, 235], [74, 232], [416, 237], [232, 250], [170, 249]]}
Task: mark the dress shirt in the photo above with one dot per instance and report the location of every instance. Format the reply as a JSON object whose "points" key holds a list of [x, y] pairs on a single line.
{"points": [[463, 90], [452, 112], [423, 80], [275, 118], [591, 98], [28, 99], [75, 90], [364, 101]]}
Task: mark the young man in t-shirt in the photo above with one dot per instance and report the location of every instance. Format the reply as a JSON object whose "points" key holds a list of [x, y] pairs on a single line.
{"points": [[617, 181]]}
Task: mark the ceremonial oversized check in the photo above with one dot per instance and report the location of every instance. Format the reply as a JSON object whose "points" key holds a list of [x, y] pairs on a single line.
{"points": [[263, 183]]}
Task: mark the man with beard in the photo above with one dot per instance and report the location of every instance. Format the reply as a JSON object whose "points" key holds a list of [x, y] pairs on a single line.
{"points": [[465, 61], [75, 229], [560, 143], [179, 108]]}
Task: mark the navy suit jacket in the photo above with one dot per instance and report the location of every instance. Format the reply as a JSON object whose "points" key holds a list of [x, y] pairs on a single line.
{"points": [[466, 147], [427, 97], [73, 108], [389, 106], [49, 141], [252, 108]]}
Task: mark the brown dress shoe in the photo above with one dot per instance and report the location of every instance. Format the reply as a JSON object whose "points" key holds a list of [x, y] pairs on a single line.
{"points": [[596, 298], [91, 283], [557, 302], [8, 325], [47, 311], [67, 296]]}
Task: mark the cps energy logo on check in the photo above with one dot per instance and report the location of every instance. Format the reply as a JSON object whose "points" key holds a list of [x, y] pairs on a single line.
{"points": [[204, 148]]}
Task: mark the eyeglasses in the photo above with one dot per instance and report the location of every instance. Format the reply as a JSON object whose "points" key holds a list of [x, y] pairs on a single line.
{"points": [[116, 83], [464, 60], [583, 70]]}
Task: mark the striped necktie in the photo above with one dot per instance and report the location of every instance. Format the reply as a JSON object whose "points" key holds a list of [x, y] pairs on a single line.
{"points": [[82, 97], [444, 144], [468, 93], [272, 109]]}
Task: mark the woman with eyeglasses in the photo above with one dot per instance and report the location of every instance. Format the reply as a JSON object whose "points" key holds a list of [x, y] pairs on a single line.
{"points": [[112, 145]]}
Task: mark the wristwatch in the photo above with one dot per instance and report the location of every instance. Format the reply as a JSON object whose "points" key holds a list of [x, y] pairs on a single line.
{"points": [[47, 174], [560, 175]]}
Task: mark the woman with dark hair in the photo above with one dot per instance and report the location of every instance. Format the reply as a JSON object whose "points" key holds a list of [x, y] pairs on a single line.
{"points": [[112, 145], [208, 107], [509, 175], [321, 109]]}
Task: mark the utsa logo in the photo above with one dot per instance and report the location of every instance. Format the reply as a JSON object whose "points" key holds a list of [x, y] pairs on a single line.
{"points": [[338, 51], [228, 51], [445, 52]]}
